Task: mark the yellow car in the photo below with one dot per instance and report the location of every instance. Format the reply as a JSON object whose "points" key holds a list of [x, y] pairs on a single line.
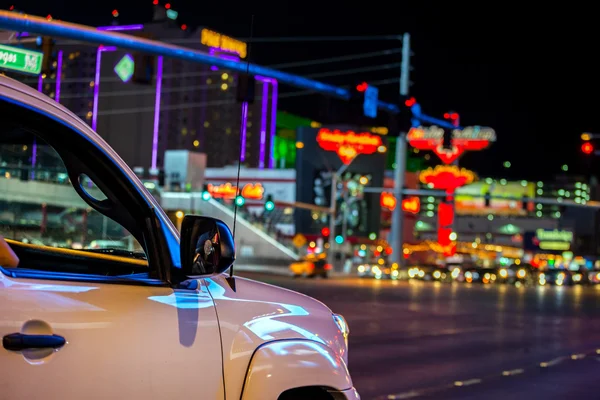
{"points": [[310, 266]]}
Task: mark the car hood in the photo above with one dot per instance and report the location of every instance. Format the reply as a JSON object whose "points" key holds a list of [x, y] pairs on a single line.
{"points": [[257, 313]]}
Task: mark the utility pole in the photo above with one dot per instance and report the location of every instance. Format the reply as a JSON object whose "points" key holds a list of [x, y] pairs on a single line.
{"points": [[400, 170]]}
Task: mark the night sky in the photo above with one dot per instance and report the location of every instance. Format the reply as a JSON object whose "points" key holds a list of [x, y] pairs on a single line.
{"points": [[533, 78]]}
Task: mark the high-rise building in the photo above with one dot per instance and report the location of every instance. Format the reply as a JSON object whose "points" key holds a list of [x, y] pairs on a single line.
{"points": [[184, 105]]}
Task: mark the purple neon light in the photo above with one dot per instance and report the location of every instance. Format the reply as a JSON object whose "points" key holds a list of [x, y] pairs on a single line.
{"points": [[159, 76], [263, 125], [274, 94], [121, 28], [34, 147], [243, 134], [97, 83], [58, 76]]}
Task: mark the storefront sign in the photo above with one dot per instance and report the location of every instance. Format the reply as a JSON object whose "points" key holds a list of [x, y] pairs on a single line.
{"points": [[251, 191], [348, 144], [213, 39], [468, 139], [551, 241]]}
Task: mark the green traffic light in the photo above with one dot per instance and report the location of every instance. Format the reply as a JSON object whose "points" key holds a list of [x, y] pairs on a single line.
{"points": [[269, 206], [206, 195], [339, 239], [239, 201]]}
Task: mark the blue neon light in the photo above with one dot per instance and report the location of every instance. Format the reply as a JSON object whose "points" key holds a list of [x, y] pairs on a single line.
{"points": [[40, 26]]}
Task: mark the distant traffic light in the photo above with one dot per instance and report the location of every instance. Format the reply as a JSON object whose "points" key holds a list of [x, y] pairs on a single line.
{"points": [[48, 50], [587, 148], [339, 239], [453, 117], [206, 193], [240, 200], [325, 232], [269, 204]]}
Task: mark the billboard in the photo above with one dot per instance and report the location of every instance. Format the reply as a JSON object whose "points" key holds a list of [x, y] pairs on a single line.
{"points": [[506, 198]]}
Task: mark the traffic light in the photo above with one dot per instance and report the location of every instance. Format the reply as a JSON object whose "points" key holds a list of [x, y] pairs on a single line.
{"points": [[453, 117], [240, 200], [488, 199], [587, 148], [339, 239], [269, 204], [206, 193], [143, 68], [245, 89], [325, 232], [47, 44]]}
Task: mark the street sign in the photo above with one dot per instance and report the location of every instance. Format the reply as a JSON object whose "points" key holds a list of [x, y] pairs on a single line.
{"points": [[299, 240], [370, 103], [21, 60], [125, 68]]}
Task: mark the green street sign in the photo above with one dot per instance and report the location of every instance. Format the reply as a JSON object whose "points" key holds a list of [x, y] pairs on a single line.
{"points": [[21, 60], [125, 68]]}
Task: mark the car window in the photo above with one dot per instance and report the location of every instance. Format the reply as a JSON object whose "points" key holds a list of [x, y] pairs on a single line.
{"points": [[39, 206]]}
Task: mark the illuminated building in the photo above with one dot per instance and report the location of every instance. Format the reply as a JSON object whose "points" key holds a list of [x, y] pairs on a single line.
{"points": [[185, 105]]}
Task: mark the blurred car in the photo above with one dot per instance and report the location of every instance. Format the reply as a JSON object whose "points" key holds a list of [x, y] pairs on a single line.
{"points": [[479, 275], [384, 271], [558, 277], [523, 274], [310, 266], [594, 277], [430, 272]]}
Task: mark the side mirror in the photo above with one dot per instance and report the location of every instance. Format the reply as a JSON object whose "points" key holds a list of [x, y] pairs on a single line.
{"points": [[206, 246]]}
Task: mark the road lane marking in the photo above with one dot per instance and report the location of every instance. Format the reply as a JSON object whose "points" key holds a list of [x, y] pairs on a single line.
{"points": [[405, 395], [468, 382], [513, 372], [552, 362]]}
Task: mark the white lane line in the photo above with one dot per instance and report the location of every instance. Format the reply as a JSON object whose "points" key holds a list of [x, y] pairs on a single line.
{"points": [[468, 382], [405, 395], [513, 372], [553, 362]]}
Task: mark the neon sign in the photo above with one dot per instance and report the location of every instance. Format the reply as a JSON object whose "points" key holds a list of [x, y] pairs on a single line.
{"points": [[446, 177], [411, 205], [471, 138], [227, 191], [388, 201], [348, 144], [214, 39], [253, 191]]}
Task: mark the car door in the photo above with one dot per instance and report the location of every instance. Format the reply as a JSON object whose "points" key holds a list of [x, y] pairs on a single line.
{"points": [[72, 327]]}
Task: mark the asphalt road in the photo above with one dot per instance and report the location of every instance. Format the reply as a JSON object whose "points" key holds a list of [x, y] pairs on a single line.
{"points": [[446, 341]]}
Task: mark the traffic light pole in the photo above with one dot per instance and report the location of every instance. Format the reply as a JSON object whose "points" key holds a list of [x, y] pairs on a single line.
{"points": [[400, 170], [335, 177]]}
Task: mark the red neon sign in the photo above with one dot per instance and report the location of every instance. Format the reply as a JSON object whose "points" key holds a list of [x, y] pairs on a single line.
{"points": [[388, 201], [252, 191], [411, 205], [468, 139], [348, 144], [446, 177]]}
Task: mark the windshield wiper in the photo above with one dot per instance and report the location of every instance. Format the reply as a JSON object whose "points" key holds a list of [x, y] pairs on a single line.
{"points": [[119, 252]]}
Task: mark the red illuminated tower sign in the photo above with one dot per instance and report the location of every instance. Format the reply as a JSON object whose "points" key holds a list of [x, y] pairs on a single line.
{"points": [[447, 178], [348, 144], [467, 139]]}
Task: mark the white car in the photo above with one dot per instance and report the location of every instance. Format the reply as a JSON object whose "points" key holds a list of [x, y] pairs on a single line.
{"points": [[168, 323]]}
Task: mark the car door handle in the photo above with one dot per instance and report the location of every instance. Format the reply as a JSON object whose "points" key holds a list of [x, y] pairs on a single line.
{"points": [[20, 341]]}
